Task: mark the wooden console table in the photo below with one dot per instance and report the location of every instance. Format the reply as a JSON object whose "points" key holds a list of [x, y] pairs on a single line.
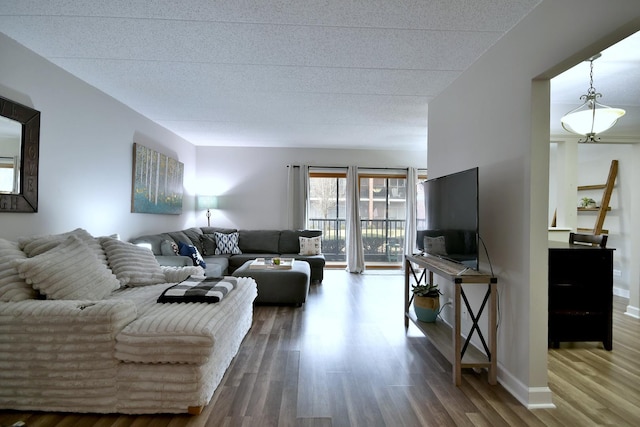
{"points": [[449, 340]]}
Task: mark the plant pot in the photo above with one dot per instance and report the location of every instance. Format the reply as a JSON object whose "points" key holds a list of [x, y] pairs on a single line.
{"points": [[426, 308]]}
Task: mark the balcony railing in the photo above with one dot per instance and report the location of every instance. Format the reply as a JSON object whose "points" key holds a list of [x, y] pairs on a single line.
{"points": [[382, 239]]}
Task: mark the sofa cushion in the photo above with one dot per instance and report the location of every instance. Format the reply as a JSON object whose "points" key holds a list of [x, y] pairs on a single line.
{"points": [[209, 245], [195, 237], [12, 286], [211, 230], [310, 245], [259, 241], [133, 265], [217, 265], [289, 240], [179, 236], [181, 333], [68, 271], [227, 243]]}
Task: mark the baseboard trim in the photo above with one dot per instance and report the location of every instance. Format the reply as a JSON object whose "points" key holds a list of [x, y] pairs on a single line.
{"points": [[530, 397], [624, 293], [633, 312]]}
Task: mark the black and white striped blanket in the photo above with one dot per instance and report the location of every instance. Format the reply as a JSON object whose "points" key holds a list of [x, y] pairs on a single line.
{"points": [[209, 289]]}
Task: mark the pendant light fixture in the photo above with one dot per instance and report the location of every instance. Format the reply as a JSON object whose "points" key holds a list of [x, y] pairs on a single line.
{"points": [[591, 118]]}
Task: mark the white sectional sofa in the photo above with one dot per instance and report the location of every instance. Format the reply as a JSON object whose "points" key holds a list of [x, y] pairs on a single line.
{"points": [[81, 329]]}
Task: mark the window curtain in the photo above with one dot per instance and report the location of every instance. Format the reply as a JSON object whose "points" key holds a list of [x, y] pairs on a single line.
{"points": [[297, 196], [410, 227], [353, 244]]}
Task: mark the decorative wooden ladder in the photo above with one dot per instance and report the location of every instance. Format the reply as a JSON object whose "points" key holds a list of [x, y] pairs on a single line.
{"points": [[604, 203]]}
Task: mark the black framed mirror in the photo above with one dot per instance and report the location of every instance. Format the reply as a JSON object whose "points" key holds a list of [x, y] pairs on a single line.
{"points": [[19, 157]]}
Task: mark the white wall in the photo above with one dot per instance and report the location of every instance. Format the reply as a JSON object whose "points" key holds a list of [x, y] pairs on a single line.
{"points": [[496, 118], [251, 183], [86, 140], [591, 163], [593, 168]]}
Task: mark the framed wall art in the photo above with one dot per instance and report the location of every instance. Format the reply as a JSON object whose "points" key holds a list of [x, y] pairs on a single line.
{"points": [[157, 182]]}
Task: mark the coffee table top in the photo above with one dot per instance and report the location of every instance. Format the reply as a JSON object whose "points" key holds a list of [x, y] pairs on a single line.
{"points": [[268, 264]]}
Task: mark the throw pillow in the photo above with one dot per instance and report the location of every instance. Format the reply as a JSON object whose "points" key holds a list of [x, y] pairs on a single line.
{"points": [[227, 243], [193, 253], [168, 247], [36, 245], [133, 265], [435, 245], [12, 286], [68, 271], [310, 245]]}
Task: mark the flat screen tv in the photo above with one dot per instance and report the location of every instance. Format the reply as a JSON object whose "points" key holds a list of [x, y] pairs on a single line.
{"points": [[450, 230]]}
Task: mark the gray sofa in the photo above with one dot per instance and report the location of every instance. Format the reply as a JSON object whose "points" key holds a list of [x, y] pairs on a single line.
{"points": [[252, 243]]}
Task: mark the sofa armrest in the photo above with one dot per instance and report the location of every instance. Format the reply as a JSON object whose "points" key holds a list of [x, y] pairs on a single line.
{"points": [[60, 320], [38, 326]]}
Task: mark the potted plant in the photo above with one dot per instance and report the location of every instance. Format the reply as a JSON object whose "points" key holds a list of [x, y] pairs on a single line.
{"points": [[587, 202], [426, 302]]}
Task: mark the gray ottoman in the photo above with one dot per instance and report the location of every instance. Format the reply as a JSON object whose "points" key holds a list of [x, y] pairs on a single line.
{"points": [[277, 286]]}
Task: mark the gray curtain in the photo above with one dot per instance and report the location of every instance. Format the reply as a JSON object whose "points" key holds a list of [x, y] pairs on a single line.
{"points": [[410, 227], [297, 197], [354, 247]]}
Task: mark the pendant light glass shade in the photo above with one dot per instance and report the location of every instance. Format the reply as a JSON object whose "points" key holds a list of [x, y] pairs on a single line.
{"points": [[591, 118]]}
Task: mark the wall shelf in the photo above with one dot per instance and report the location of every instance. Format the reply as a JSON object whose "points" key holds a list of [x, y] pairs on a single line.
{"points": [[604, 207], [608, 208]]}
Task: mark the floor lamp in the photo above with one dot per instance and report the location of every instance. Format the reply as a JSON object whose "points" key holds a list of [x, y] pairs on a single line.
{"points": [[208, 203]]}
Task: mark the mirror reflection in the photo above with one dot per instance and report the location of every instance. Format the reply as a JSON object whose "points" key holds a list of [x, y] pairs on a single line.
{"points": [[10, 137], [19, 157]]}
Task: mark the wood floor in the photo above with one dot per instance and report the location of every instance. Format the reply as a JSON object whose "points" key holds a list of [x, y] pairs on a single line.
{"points": [[345, 359]]}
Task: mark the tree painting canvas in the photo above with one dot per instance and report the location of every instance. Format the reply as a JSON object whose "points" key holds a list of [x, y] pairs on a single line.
{"points": [[157, 182]]}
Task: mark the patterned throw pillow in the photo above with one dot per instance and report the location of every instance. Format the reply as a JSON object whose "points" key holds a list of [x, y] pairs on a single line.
{"points": [[192, 252], [310, 245], [227, 243]]}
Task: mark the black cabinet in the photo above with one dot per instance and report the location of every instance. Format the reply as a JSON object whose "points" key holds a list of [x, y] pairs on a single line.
{"points": [[580, 293]]}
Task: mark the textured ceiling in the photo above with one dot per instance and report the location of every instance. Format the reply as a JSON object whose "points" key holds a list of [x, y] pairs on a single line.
{"points": [[274, 73]]}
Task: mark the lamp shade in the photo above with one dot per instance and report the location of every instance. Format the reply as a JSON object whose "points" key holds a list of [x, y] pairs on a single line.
{"points": [[591, 118], [207, 202]]}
